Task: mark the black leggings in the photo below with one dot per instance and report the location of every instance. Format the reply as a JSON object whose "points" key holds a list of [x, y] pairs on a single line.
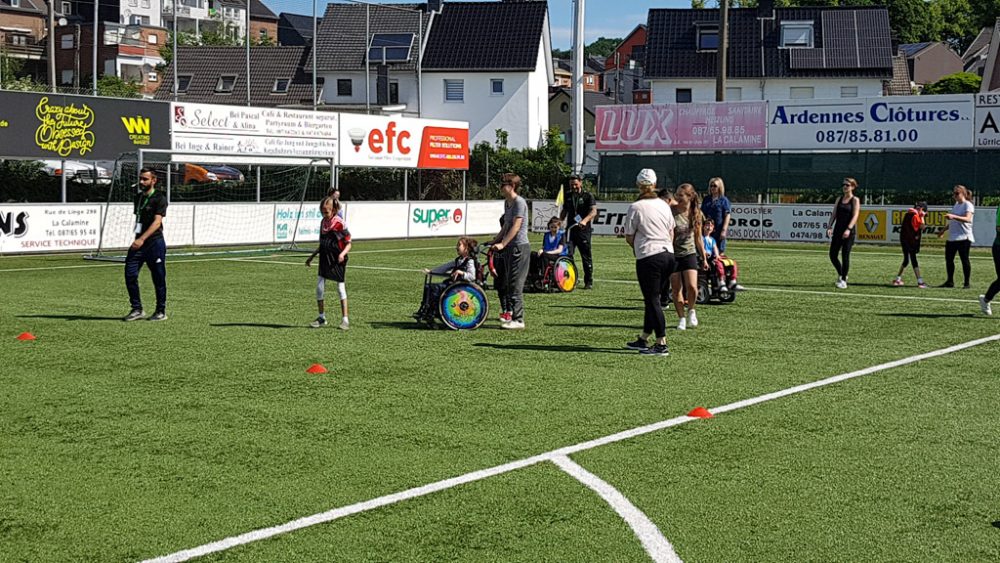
{"points": [[841, 245], [909, 257], [962, 248], [995, 286], [651, 272]]}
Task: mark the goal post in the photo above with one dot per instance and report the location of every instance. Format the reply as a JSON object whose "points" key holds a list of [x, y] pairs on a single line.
{"points": [[248, 205]]}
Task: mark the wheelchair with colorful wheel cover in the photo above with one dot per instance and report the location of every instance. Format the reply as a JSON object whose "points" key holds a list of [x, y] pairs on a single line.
{"points": [[558, 275]]}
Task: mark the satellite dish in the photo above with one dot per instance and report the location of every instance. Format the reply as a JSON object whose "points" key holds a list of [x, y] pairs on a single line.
{"points": [[63, 21]]}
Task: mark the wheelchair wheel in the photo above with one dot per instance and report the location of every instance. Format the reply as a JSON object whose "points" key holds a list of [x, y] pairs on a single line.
{"points": [[729, 296], [463, 306], [564, 274], [704, 293]]}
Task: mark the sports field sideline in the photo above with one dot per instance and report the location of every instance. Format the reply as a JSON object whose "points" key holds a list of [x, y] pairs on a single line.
{"points": [[204, 436]]}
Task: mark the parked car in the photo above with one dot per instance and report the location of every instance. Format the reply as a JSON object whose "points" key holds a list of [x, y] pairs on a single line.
{"points": [[76, 171], [205, 174]]}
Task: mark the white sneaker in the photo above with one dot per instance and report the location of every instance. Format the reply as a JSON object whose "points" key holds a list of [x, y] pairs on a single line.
{"points": [[692, 318], [841, 283], [985, 306], [345, 324], [682, 324], [513, 325]]}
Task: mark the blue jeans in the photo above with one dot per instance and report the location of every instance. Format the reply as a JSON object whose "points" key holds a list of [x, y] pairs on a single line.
{"points": [[154, 255]]}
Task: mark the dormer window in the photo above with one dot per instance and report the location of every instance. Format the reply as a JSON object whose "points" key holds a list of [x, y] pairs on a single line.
{"points": [[281, 86], [390, 47], [183, 82], [797, 34], [708, 37], [226, 84]]}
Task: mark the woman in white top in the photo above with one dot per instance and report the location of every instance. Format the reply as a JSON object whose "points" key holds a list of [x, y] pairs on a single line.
{"points": [[649, 230], [960, 237]]}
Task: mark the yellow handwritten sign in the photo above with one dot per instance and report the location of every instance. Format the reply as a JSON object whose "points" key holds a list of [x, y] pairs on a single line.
{"points": [[64, 129]]}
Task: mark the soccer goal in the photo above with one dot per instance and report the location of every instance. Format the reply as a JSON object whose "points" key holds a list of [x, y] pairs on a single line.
{"points": [[218, 208]]}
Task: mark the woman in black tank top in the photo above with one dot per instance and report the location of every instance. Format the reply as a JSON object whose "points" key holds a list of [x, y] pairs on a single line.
{"points": [[842, 229]]}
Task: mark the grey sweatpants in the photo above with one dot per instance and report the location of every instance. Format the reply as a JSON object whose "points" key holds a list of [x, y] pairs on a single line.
{"points": [[510, 289]]}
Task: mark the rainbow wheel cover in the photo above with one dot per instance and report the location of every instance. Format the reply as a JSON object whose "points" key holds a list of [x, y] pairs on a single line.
{"points": [[565, 274], [463, 306]]}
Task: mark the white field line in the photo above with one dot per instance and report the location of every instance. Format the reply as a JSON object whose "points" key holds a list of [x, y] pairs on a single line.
{"points": [[629, 282], [861, 251], [657, 546], [415, 492]]}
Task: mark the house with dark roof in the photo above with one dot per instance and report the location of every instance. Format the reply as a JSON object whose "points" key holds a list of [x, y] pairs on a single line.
{"points": [[624, 70], [929, 61], [974, 57], [593, 73], [296, 29], [774, 53], [488, 63], [217, 75]]}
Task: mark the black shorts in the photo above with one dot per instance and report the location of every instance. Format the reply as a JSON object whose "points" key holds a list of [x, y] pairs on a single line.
{"points": [[910, 248], [682, 263], [333, 270]]}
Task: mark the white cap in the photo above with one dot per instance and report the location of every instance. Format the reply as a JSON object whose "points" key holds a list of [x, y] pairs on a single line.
{"points": [[646, 176]]}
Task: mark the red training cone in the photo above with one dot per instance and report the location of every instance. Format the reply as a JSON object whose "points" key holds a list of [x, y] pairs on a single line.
{"points": [[700, 412], [25, 336], [316, 368]]}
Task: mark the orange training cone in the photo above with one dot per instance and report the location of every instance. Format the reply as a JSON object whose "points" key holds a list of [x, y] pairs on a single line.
{"points": [[700, 412], [25, 336], [316, 368]]}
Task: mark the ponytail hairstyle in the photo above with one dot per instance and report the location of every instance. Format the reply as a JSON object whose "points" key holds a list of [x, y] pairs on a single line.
{"points": [[966, 192], [694, 206], [333, 202]]}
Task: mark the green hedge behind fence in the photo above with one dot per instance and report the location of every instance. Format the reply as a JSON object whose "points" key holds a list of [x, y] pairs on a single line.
{"points": [[883, 177]]}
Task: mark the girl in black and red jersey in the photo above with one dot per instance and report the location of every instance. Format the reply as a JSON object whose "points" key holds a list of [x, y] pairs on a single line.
{"points": [[334, 244], [909, 239]]}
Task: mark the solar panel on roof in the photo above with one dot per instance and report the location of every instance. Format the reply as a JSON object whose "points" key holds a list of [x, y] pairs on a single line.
{"points": [[390, 47]]}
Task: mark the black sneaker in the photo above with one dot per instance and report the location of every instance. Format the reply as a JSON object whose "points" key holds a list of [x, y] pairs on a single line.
{"points": [[947, 284], [320, 322], [656, 350], [135, 315], [966, 286], [638, 344], [588, 286], [158, 316]]}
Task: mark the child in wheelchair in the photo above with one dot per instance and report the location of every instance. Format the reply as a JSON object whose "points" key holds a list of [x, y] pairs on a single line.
{"points": [[553, 246], [463, 267], [722, 270]]}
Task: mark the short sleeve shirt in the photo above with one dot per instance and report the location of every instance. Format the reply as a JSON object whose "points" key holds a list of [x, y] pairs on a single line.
{"points": [[147, 208], [651, 222], [512, 210], [716, 210], [709, 246], [550, 243], [577, 205], [959, 230]]}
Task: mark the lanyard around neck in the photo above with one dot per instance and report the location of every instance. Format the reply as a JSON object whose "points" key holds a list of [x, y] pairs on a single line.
{"points": [[144, 202]]}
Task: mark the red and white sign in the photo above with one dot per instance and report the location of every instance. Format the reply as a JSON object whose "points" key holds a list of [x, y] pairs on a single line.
{"points": [[403, 142], [704, 126]]}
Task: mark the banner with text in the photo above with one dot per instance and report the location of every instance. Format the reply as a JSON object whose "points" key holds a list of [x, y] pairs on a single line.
{"points": [[57, 126], [202, 129], [698, 126], [987, 126], [49, 228], [900, 122], [403, 142]]}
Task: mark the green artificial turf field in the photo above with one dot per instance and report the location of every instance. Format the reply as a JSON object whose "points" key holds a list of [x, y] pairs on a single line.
{"points": [[124, 442]]}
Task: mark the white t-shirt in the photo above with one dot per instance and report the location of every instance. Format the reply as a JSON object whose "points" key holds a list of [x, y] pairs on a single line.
{"points": [[651, 222], [959, 230]]}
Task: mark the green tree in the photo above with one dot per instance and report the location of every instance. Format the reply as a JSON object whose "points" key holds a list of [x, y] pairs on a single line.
{"points": [[542, 170], [603, 47], [115, 87], [958, 83], [23, 84]]}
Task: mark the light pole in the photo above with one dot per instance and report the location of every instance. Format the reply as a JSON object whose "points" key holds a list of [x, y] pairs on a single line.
{"points": [[94, 59]]}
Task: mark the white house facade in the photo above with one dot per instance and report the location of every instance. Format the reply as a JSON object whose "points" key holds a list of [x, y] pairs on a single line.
{"points": [[701, 90]]}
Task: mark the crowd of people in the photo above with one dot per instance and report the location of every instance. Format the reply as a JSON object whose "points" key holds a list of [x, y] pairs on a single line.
{"points": [[673, 236]]}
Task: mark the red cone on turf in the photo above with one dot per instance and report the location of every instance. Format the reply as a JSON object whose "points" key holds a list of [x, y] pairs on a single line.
{"points": [[316, 368], [700, 412], [25, 336]]}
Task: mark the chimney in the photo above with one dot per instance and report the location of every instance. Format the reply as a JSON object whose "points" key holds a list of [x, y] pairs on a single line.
{"points": [[434, 5], [765, 9]]}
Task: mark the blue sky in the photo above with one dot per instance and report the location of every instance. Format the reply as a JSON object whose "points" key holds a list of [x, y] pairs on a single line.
{"points": [[607, 18]]}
